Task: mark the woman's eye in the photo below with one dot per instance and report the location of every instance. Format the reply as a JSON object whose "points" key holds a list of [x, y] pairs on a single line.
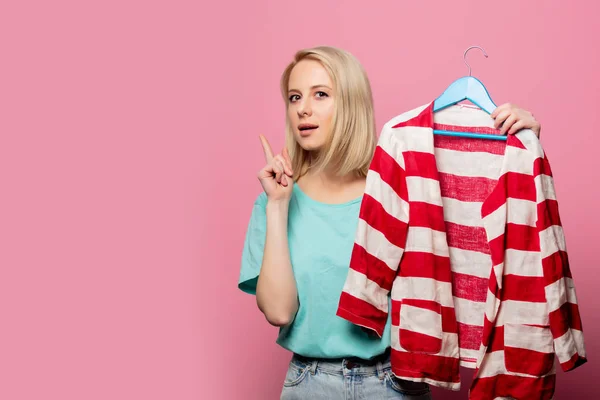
{"points": [[322, 94], [293, 97]]}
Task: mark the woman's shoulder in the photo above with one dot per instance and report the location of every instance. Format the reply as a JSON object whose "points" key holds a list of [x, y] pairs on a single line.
{"points": [[260, 203], [261, 199]]}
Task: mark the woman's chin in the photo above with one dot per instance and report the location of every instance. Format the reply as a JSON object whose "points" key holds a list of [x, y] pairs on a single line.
{"points": [[310, 144]]}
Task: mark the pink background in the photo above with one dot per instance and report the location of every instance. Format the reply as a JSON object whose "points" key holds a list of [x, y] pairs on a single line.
{"points": [[128, 151]]}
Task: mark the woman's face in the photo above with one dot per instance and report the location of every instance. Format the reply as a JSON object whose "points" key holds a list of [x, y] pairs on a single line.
{"points": [[310, 108]]}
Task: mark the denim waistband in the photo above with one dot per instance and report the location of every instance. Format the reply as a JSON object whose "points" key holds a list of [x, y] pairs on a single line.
{"points": [[343, 366]]}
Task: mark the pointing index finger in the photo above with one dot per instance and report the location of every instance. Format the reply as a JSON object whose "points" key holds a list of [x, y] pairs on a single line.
{"points": [[266, 148]]}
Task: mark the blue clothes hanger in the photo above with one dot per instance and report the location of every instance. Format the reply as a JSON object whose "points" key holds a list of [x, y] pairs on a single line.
{"points": [[467, 88]]}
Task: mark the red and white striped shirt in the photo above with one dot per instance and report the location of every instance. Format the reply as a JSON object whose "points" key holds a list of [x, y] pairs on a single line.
{"points": [[466, 235]]}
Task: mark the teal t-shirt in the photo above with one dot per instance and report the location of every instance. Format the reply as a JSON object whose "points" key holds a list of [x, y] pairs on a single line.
{"points": [[320, 237]]}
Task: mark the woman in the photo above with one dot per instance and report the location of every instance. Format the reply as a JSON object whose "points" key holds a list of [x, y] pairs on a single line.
{"points": [[307, 217]]}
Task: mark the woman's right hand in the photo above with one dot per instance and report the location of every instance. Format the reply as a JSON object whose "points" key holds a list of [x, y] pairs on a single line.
{"points": [[276, 176]]}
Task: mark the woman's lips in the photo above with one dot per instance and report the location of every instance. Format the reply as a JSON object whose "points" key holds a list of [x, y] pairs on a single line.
{"points": [[307, 131]]}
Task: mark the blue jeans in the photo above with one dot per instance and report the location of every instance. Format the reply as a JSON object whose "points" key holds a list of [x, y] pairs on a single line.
{"points": [[348, 379]]}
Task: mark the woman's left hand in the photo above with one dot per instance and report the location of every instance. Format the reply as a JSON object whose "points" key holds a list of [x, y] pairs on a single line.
{"points": [[510, 119]]}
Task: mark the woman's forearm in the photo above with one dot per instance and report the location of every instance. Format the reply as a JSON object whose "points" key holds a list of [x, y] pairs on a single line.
{"points": [[276, 292]]}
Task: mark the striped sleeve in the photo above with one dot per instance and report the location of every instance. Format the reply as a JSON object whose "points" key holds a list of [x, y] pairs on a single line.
{"points": [[379, 241], [565, 322]]}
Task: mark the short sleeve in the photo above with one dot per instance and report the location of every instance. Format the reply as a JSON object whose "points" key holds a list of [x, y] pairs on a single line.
{"points": [[254, 245]]}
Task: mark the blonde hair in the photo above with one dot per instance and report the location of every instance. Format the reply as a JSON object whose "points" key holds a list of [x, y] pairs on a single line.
{"points": [[352, 142]]}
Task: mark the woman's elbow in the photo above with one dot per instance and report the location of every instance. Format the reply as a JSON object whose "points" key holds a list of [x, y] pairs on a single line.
{"points": [[277, 316], [279, 319]]}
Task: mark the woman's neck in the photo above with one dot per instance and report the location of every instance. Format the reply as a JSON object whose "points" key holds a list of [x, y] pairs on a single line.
{"points": [[327, 187]]}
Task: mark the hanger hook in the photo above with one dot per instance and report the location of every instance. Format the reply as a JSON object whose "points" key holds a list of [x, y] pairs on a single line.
{"points": [[465, 56]]}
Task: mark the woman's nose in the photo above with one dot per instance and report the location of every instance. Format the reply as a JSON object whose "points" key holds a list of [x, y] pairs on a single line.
{"points": [[305, 108]]}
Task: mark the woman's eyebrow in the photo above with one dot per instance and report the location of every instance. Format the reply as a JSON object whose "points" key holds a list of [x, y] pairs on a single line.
{"points": [[312, 87]]}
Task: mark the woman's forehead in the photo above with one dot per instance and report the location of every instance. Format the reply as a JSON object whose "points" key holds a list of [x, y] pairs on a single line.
{"points": [[308, 74]]}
